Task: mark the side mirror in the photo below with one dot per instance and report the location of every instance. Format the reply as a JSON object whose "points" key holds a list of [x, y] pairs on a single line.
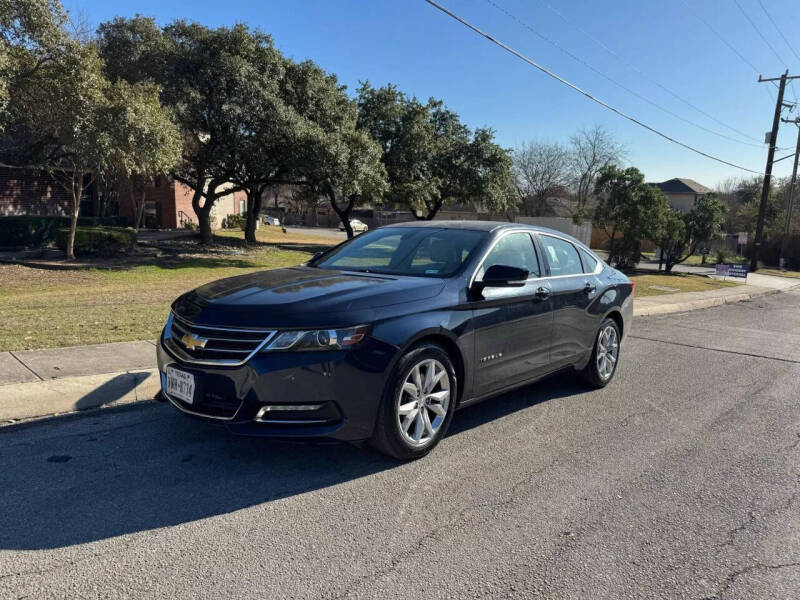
{"points": [[504, 276]]}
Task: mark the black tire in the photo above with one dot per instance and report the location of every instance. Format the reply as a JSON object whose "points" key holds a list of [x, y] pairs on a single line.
{"points": [[387, 437], [591, 373]]}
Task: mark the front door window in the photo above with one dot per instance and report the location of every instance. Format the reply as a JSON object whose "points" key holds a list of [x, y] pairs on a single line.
{"points": [[513, 250]]}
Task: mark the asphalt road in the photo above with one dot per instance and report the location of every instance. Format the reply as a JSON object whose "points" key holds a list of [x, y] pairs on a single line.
{"points": [[679, 480]]}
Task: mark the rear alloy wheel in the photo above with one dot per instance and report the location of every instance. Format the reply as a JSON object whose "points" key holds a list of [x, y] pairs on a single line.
{"points": [[418, 405], [605, 355]]}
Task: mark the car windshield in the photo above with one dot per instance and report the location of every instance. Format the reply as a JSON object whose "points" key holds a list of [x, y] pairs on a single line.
{"points": [[416, 251]]}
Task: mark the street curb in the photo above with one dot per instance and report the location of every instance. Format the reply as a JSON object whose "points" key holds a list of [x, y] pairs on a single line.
{"points": [[661, 309], [74, 394]]}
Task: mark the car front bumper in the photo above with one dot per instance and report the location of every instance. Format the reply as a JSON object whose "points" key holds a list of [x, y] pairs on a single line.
{"points": [[332, 394]]}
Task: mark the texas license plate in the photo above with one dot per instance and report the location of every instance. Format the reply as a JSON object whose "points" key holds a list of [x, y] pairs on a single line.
{"points": [[180, 385]]}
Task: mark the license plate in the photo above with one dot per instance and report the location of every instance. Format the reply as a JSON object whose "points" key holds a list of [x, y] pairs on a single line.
{"points": [[180, 385]]}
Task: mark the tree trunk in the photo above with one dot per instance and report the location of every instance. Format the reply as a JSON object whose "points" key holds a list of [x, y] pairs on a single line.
{"points": [[343, 213], [137, 201], [203, 216], [254, 201], [140, 210], [611, 246], [77, 188], [432, 211]]}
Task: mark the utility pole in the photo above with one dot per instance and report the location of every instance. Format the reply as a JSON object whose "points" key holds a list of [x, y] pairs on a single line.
{"points": [[787, 228], [773, 140]]}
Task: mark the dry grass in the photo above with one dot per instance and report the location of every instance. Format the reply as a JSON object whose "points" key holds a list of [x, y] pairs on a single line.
{"points": [[679, 282], [274, 235], [779, 273], [110, 301]]}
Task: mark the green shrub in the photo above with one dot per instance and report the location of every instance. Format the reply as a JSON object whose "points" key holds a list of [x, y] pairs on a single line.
{"points": [[99, 241], [722, 255], [234, 222], [190, 225], [37, 231]]}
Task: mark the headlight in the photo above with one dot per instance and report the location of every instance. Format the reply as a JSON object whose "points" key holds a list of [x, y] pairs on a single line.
{"points": [[317, 339]]}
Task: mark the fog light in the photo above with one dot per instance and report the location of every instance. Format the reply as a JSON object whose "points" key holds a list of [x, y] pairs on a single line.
{"points": [[285, 407]]}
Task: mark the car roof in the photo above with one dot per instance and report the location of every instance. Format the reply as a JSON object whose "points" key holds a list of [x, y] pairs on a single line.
{"points": [[480, 226]]}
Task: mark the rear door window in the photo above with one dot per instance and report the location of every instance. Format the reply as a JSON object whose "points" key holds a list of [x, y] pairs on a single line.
{"points": [[589, 261], [561, 256]]}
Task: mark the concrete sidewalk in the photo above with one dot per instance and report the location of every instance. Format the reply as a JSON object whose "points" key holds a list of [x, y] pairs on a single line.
{"points": [[37, 383], [672, 303]]}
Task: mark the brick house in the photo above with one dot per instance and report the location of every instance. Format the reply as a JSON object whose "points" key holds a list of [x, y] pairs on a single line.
{"points": [[32, 192], [168, 204]]}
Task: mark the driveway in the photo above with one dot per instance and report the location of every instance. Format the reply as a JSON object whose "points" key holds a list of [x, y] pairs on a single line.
{"points": [[678, 480]]}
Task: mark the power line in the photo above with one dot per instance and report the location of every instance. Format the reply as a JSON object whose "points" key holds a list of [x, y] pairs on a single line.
{"points": [[778, 29], [783, 37], [645, 75], [770, 46], [578, 89], [726, 42], [761, 35], [766, 41], [612, 80]]}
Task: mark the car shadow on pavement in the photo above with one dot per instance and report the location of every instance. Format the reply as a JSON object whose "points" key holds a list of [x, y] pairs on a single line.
{"points": [[112, 390], [134, 469]]}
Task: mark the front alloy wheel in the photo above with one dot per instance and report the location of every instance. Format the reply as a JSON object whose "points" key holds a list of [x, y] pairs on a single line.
{"points": [[418, 405], [423, 402]]}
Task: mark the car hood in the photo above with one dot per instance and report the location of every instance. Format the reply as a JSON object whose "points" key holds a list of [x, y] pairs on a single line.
{"points": [[304, 293]]}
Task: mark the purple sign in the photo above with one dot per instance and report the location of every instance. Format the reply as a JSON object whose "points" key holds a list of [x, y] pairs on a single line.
{"points": [[732, 270]]}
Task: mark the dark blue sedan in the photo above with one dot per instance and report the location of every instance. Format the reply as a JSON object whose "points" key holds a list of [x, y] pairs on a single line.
{"points": [[385, 336]]}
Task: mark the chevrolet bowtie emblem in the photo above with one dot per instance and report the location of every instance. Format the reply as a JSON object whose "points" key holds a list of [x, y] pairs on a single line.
{"points": [[191, 341]]}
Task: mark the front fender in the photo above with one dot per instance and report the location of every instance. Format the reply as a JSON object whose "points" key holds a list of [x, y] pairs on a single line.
{"points": [[454, 326]]}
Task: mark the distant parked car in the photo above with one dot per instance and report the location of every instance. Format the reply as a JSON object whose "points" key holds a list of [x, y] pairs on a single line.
{"points": [[356, 225], [274, 221]]}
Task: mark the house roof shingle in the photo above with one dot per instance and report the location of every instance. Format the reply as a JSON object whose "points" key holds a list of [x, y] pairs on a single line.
{"points": [[682, 185]]}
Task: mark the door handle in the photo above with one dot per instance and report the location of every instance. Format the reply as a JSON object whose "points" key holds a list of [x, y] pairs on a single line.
{"points": [[589, 288], [542, 293]]}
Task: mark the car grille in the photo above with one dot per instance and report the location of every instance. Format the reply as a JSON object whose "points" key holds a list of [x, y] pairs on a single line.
{"points": [[225, 346]]}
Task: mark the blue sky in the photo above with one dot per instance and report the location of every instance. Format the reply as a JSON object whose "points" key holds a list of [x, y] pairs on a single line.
{"points": [[409, 43]]}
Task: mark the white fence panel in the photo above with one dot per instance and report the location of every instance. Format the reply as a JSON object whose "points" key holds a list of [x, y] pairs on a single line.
{"points": [[566, 225]]}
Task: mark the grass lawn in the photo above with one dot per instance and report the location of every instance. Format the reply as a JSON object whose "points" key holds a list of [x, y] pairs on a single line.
{"points": [[678, 282], [779, 273], [97, 301], [111, 301]]}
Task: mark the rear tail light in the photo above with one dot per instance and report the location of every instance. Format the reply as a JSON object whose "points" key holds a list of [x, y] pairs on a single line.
{"points": [[633, 285]]}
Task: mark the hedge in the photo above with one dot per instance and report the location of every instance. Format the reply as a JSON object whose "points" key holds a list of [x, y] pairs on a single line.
{"points": [[99, 241], [36, 231], [771, 249]]}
